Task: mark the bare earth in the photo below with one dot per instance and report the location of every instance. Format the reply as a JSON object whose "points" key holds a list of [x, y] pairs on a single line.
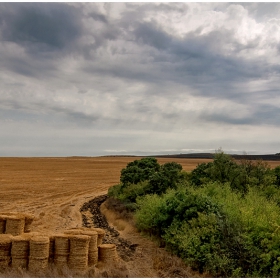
{"points": [[54, 189]]}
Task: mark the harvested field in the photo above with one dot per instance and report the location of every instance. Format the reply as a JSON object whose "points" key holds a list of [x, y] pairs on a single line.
{"points": [[54, 189]]}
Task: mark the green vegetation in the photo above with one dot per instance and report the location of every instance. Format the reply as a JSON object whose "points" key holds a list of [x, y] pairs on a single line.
{"points": [[222, 218]]}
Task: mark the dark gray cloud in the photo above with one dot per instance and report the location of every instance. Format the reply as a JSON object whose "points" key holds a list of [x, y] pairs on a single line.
{"points": [[47, 25]]}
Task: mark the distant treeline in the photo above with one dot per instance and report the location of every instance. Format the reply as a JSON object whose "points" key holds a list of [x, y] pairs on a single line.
{"points": [[212, 155]]}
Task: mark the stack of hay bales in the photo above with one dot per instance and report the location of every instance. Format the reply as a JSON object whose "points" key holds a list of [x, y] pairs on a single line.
{"points": [[61, 250], [3, 219], [93, 249], [5, 250], [20, 251], [39, 253], [107, 253], [78, 254], [15, 224]]}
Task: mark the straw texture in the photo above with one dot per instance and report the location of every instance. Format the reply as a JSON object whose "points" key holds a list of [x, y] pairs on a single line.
{"points": [[93, 249], [19, 262], [73, 231], [61, 250], [78, 256], [100, 232], [37, 264], [39, 247], [20, 247], [107, 252], [92, 257], [4, 263], [15, 225], [5, 246]]}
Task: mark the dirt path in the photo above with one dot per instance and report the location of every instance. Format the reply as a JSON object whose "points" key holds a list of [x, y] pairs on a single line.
{"points": [[140, 256]]}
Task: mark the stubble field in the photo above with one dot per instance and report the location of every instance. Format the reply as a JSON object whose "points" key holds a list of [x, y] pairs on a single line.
{"points": [[54, 189]]}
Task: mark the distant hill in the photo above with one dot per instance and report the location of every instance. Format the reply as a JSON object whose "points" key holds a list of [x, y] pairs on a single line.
{"points": [[275, 157]]}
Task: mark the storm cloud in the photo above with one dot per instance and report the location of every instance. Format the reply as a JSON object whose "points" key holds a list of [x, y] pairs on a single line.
{"points": [[139, 78]]}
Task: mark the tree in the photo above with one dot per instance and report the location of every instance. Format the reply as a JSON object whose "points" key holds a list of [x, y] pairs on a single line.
{"points": [[139, 171]]}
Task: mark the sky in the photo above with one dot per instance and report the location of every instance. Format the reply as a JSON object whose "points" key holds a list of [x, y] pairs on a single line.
{"points": [[91, 79]]}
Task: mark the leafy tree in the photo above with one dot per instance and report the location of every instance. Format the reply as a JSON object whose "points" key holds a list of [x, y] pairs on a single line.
{"points": [[200, 174], [167, 177]]}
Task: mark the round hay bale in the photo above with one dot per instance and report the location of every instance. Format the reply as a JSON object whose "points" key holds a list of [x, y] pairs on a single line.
{"points": [[20, 247], [107, 252], [19, 262], [61, 245], [15, 225], [3, 219], [92, 258], [28, 221], [79, 245], [5, 245], [37, 264], [39, 247]]}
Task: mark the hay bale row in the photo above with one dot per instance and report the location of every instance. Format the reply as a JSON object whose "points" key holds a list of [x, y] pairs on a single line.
{"points": [[76, 248]]}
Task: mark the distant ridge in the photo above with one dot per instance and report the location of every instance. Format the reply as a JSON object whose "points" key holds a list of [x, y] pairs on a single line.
{"points": [[272, 157]]}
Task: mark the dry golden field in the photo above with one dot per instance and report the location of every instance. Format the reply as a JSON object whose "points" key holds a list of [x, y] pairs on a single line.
{"points": [[55, 188]]}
